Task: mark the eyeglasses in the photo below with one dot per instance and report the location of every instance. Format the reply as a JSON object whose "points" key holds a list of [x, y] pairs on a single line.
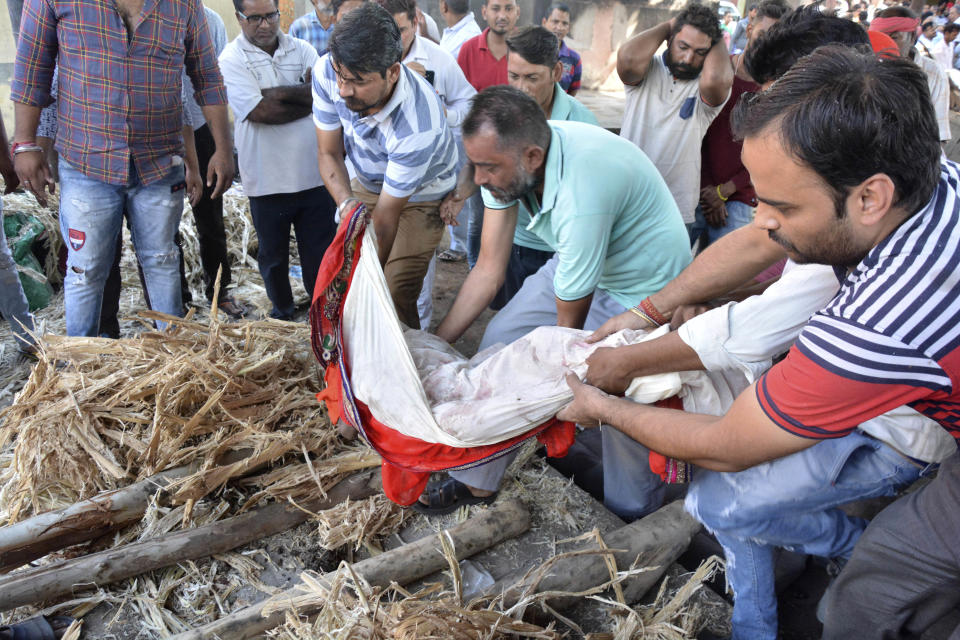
{"points": [[271, 18]]}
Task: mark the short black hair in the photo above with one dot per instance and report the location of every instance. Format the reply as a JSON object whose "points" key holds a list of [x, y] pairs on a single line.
{"points": [[557, 6], [700, 18], [238, 5], [795, 35], [848, 115], [773, 9], [458, 7], [336, 4], [514, 116], [486, 2], [951, 26], [409, 7], [535, 44], [366, 40], [895, 12]]}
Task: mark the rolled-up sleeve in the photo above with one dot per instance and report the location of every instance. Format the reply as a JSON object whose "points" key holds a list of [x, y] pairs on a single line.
{"points": [[200, 60], [36, 54], [325, 115]]}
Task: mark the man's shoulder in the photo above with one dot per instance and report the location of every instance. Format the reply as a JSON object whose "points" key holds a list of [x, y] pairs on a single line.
{"points": [[232, 51], [472, 45]]}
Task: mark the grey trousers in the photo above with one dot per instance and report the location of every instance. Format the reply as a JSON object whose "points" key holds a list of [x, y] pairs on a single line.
{"points": [[630, 488], [904, 573]]}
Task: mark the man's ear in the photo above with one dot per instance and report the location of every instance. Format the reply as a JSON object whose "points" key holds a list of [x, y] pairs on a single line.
{"points": [[557, 71], [874, 199], [533, 158], [393, 72]]}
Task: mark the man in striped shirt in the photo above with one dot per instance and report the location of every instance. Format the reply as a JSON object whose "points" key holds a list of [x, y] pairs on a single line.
{"points": [[392, 125], [844, 154]]}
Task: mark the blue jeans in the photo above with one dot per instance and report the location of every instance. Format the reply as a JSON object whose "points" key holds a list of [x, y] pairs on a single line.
{"points": [[458, 233], [474, 207], [738, 215], [791, 503], [13, 303], [91, 213]]}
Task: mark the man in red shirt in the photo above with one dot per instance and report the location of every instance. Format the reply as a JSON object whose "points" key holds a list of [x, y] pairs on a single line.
{"points": [[483, 58]]}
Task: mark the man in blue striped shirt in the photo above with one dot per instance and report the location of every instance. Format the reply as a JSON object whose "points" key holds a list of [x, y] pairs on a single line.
{"points": [[392, 126], [316, 26]]}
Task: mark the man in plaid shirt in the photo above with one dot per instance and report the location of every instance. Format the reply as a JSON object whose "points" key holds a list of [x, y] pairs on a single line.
{"points": [[120, 143]]}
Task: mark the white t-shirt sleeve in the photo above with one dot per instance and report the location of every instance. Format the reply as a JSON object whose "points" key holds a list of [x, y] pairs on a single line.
{"points": [[243, 92]]}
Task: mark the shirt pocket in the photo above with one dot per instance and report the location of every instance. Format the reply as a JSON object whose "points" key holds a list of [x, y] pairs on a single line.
{"points": [[686, 110], [163, 37]]}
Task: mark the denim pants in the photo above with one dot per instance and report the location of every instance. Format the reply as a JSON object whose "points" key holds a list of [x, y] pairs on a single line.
{"points": [[738, 215], [91, 213], [474, 212], [13, 302], [791, 503], [458, 233], [311, 214]]}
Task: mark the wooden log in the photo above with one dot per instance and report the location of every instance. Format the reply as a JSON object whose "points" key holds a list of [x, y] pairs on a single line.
{"points": [[35, 537], [98, 569], [654, 541], [402, 565]]}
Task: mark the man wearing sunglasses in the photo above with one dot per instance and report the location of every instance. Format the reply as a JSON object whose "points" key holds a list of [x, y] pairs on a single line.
{"points": [[267, 74]]}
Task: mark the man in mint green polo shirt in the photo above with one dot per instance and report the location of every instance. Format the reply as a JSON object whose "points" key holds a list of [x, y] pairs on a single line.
{"points": [[601, 205], [533, 66]]}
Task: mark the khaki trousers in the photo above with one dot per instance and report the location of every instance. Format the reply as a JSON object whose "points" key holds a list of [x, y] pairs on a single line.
{"points": [[418, 233]]}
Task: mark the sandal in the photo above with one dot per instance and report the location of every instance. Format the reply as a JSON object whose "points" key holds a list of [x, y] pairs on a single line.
{"points": [[449, 255], [448, 495], [39, 628], [233, 307]]}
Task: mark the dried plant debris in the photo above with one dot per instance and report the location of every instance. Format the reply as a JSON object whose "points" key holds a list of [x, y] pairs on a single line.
{"points": [[342, 605], [359, 522], [98, 414]]}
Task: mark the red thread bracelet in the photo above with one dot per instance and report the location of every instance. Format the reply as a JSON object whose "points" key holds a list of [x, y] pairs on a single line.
{"points": [[651, 311]]}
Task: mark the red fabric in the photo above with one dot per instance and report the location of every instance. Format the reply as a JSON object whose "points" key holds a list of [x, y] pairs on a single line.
{"points": [[407, 462], [883, 45], [479, 65], [658, 462], [894, 25]]}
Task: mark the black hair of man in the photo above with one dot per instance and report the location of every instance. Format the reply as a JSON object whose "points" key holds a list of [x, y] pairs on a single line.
{"points": [[335, 5], [848, 115], [773, 9], [486, 2], [556, 6], [238, 5], [536, 45], [895, 12], [700, 18], [795, 35], [366, 40], [408, 7], [514, 116], [458, 7], [951, 26]]}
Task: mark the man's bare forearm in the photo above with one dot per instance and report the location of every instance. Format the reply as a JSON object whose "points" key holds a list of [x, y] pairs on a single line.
{"points": [[219, 124], [333, 170], [726, 264], [292, 94], [475, 295], [26, 121], [573, 313], [635, 54]]}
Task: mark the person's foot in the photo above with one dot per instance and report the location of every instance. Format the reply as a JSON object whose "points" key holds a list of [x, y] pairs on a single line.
{"points": [[448, 495], [233, 307], [449, 255], [38, 628]]}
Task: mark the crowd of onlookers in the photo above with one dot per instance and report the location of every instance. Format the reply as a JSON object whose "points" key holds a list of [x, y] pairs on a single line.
{"points": [[776, 186]]}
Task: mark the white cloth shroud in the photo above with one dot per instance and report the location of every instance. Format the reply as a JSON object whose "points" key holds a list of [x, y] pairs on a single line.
{"points": [[419, 385]]}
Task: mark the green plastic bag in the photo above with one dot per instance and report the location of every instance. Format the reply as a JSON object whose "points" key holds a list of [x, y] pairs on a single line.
{"points": [[22, 231]]}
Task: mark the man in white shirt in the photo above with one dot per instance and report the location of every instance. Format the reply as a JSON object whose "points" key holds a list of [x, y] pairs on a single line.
{"points": [[672, 99], [461, 25], [443, 72], [267, 75]]}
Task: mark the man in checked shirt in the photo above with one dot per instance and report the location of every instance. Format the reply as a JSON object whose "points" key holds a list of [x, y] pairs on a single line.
{"points": [[120, 143]]}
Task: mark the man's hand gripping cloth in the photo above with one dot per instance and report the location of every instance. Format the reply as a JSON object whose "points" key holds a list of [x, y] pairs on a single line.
{"points": [[424, 407]]}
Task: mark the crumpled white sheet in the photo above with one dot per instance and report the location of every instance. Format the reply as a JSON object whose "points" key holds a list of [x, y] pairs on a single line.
{"points": [[419, 385]]}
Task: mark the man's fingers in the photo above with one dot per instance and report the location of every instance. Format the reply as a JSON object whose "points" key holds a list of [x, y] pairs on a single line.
{"points": [[573, 381]]}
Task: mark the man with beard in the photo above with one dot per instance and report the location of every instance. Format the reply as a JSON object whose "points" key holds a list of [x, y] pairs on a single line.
{"points": [[391, 124], [267, 74], [843, 152], [673, 98], [483, 58], [599, 203], [726, 195]]}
